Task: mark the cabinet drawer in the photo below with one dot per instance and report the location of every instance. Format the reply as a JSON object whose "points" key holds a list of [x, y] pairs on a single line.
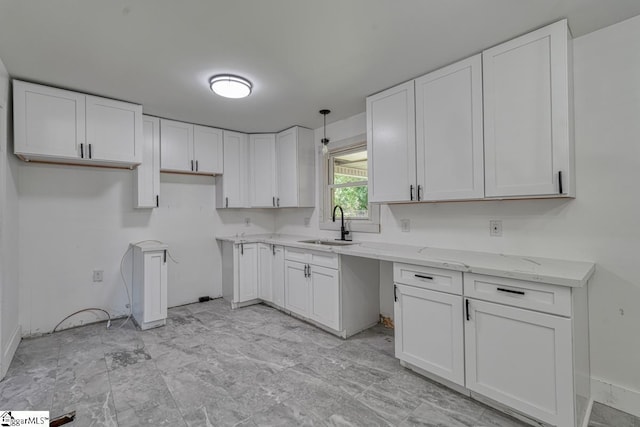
{"points": [[293, 254], [519, 293], [436, 279]]}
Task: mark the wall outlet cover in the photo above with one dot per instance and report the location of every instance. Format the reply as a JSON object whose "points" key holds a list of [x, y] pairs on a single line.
{"points": [[307, 221], [405, 225], [247, 221], [98, 275], [495, 228]]}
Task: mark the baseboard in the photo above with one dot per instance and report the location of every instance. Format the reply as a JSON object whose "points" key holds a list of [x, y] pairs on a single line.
{"points": [[10, 351], [616, 396], [587, 415]]}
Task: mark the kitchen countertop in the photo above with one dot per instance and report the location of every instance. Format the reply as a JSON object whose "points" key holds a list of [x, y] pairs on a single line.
{"points": [[535, 269]]}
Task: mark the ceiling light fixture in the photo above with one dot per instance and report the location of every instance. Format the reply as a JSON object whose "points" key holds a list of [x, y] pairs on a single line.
{"points": [[230, 86], [325, 140]]}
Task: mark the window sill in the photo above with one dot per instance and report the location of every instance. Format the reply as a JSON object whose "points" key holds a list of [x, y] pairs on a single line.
{"points": [[355, 226]]}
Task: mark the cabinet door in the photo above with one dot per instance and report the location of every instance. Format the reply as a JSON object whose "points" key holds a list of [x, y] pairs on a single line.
{"points": [[287, 167], [296, 288], [391, 144], [114, 130], [155, 286], [265, 271], [148, 172], [522, 359], [235, 183], [207, 150], [526, 114], [449, 147], [48, 121], [429, 331], [277, 282], [263, 170], [176, 146], [248, 272], [325, 296]]}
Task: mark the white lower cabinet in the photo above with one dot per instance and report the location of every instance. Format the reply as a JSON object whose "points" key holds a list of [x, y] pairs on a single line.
{"points": [[247, 282], [149, 288], [429, 331], [325, 296], [277, 276], [521, 358], [296, 297], [520, 346], [265, 271]]}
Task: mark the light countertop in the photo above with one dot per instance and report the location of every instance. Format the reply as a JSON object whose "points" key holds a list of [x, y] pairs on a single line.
{"points": [[543, 270]]}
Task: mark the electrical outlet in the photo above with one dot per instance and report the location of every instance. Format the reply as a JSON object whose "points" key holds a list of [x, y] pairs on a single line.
{"points": [[495, 228], [405, 225], [307, 221], [247, 221], [98, 275]]}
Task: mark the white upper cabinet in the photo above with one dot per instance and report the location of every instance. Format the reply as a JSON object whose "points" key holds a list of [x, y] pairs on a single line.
{"points": [[527, 115], [449, 132], [147, 181], [55, 125], [295, 165], [114, 130], [392, 144], [207, 150], [191, 148], [232, 190], [263, 170]]}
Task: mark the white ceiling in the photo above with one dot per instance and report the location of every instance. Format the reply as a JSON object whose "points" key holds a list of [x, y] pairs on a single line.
{"points": [[301, 55]]}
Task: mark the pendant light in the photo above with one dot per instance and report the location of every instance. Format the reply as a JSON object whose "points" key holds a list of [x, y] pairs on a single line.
{"points": [[325, 140]]}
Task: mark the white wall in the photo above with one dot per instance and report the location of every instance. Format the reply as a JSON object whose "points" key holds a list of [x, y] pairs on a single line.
{"points": [[600, 225], [74, 220], [9, 329]]}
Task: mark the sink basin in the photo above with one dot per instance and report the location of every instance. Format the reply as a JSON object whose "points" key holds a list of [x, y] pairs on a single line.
{"points": [[327, 242]]}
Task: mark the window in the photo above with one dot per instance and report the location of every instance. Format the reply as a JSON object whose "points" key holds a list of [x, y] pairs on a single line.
{"points": [[345, 184], [348, 182]]}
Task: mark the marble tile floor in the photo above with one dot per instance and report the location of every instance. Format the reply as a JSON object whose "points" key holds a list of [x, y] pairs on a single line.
{"points": [[255, 366]]}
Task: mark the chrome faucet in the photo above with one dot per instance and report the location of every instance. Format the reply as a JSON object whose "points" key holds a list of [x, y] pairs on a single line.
{"points": [[343, 232]]}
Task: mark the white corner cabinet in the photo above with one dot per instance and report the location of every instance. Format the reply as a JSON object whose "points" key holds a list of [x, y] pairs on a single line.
{"points": [[336, 293], [268, 170], [147, 174], [191, 149], [520, 346], [149, 288], [496, 125], [61, 126]]}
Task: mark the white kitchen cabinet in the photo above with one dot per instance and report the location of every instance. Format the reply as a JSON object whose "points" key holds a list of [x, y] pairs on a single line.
{"points": [[114, 130], [149, 288], [247, 284], [266, 254], [449, 139], [391, 144], [324, 290], [296, 288], [232, 189], [522, 359], [263, 170], [295, 166], [147, 174], [61, 126], [277, 282], [429, 331], [528, 115], [188, 148]]}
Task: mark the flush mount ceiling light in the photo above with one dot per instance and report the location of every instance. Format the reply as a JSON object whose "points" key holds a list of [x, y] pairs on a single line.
{"points": [[230, 86]]}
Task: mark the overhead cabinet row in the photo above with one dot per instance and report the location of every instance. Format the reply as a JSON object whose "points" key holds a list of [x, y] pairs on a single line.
{"points": [[496, 125]]}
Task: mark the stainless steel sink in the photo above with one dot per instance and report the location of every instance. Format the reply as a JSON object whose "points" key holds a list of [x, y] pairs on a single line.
{"points": [[327, 242]]}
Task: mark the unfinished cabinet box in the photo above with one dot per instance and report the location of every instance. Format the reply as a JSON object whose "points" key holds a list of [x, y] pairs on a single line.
{"points": [[149, 290]]}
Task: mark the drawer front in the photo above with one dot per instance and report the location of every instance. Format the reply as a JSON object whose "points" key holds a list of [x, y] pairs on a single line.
{"points": [[293, 254], [324, 259], [436, 279], [519, 293]]}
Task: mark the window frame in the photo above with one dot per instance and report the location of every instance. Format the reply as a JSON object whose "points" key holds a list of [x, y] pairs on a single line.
{"points": [[370, 225]]}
